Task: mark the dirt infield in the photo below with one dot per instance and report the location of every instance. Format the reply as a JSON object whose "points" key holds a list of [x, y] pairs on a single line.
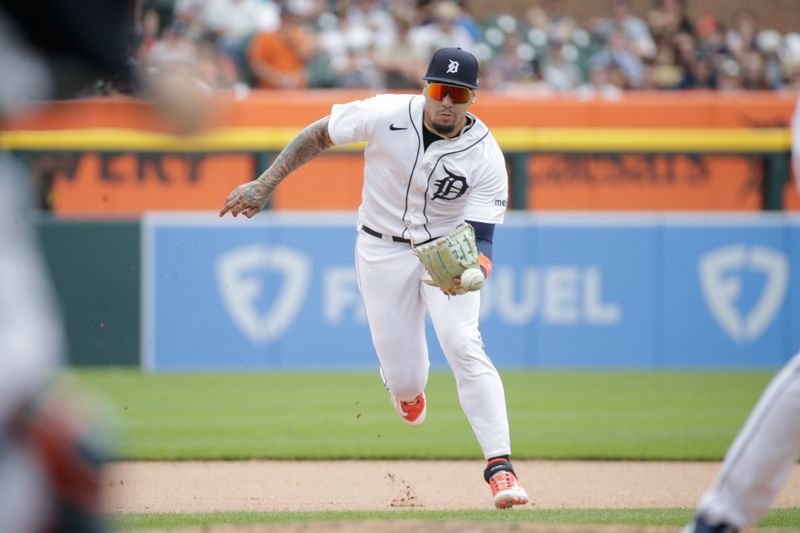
{"points": [[281, 486]]}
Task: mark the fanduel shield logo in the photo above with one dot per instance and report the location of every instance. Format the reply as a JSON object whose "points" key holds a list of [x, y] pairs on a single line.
{"points": [[241, 290], [722, 287]]}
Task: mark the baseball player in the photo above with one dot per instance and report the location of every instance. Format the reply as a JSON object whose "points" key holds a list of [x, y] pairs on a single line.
{"points": [[758, 462], [429, 166], [767, 447]]}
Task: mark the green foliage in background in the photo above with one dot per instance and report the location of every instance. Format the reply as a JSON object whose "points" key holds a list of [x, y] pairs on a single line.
{"points": [[554, 415]]}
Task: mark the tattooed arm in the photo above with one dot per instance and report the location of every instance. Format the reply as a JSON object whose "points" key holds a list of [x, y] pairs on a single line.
{"points": [[250, 198]]}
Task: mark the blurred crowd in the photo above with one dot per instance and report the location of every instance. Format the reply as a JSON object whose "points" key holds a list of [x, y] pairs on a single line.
{"points": [[385, 45]]}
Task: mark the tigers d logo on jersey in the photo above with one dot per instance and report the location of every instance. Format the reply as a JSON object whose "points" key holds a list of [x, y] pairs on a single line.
{"points": [[451, 187]]}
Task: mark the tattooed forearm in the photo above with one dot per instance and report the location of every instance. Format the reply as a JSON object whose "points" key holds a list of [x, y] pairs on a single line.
{"points": [[303, 148]]}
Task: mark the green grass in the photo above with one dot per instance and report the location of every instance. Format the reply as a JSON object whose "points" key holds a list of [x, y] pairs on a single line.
{"points": [[553, 415], [783, 518]]}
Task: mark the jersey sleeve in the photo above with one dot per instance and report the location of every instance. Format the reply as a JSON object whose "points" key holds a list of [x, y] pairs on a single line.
{"points": [[354, 121], [488, 199]]}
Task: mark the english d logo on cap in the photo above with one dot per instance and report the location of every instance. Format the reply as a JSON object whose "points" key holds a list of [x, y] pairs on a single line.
{"points": [[453, 66]]}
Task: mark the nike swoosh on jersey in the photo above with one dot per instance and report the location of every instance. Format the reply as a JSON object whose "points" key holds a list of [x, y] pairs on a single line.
{"points": [[395, 128]]}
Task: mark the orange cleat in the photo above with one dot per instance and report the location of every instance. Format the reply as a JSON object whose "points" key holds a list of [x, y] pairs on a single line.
{"points": [[506, 491], [413, 411]]}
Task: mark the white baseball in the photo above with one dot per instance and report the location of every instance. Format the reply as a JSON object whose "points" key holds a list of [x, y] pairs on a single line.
{"points": [[472, 279]]}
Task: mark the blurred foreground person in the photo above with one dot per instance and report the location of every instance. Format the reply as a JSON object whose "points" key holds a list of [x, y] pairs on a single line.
{"points": [[758, 462], [763, 454], [49, 457], [51, 452]]}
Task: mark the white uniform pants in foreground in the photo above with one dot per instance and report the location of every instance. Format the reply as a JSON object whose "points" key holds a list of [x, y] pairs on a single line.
{"points": [[762, 455], [395, 298]]}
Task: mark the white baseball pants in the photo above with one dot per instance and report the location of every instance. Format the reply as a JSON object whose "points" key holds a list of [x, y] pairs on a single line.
{"points": [[395, 298], [762, 455]]}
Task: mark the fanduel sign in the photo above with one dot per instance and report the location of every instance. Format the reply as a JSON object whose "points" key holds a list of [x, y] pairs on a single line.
{"points": [[722, 278], [241, 288], [582, 292], [558, 295]]}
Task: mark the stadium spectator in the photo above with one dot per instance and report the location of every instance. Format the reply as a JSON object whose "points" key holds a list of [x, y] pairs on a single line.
{"points": [[637, 35], [617, 54], [729, 76], [191, 14], [754, 71], [686, 60], [214, 69], [467, 20], [515, 67], [424, 12], [551, 19], [444, 32], [371, 19], [669, 18], [278, 59], [234, 22], [605, 81], [791, 76], [703, 74], [399, 62], [559, 72], [150, 30], [174, 48], [357, 68], [365, 43], [769, 47], [741, 38], [666, 72], [710, 37]]}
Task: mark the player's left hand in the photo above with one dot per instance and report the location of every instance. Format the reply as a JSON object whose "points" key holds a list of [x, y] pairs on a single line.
{"points": [[247, 199]]}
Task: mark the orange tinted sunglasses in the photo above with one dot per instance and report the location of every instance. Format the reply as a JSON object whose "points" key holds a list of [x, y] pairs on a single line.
{"points": [[459, 95]]}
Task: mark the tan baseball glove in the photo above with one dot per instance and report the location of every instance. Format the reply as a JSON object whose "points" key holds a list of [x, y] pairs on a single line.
{"points": [[449, 258]]}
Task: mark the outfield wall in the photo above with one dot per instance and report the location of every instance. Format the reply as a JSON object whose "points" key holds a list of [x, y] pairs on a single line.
{"points": [[95, 269], [576, 291], [681, 150]]}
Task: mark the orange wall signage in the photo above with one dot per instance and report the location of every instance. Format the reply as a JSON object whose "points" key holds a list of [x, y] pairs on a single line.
{"points": [[680, 109], [644, 182], [130, 183]]}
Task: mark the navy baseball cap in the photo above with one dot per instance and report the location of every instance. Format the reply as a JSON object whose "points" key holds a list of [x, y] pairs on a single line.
{"points": [[453, 66]]}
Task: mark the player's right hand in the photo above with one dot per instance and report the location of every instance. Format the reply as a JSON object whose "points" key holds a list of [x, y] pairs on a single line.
{"points": [[247, 199]]}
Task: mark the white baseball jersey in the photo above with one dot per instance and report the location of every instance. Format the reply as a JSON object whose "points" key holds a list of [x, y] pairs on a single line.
{"points": [[415, 193]]}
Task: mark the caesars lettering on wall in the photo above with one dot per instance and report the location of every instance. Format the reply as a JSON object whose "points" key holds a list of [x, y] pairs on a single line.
{"points": [[132, 181], [635, 182]]}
